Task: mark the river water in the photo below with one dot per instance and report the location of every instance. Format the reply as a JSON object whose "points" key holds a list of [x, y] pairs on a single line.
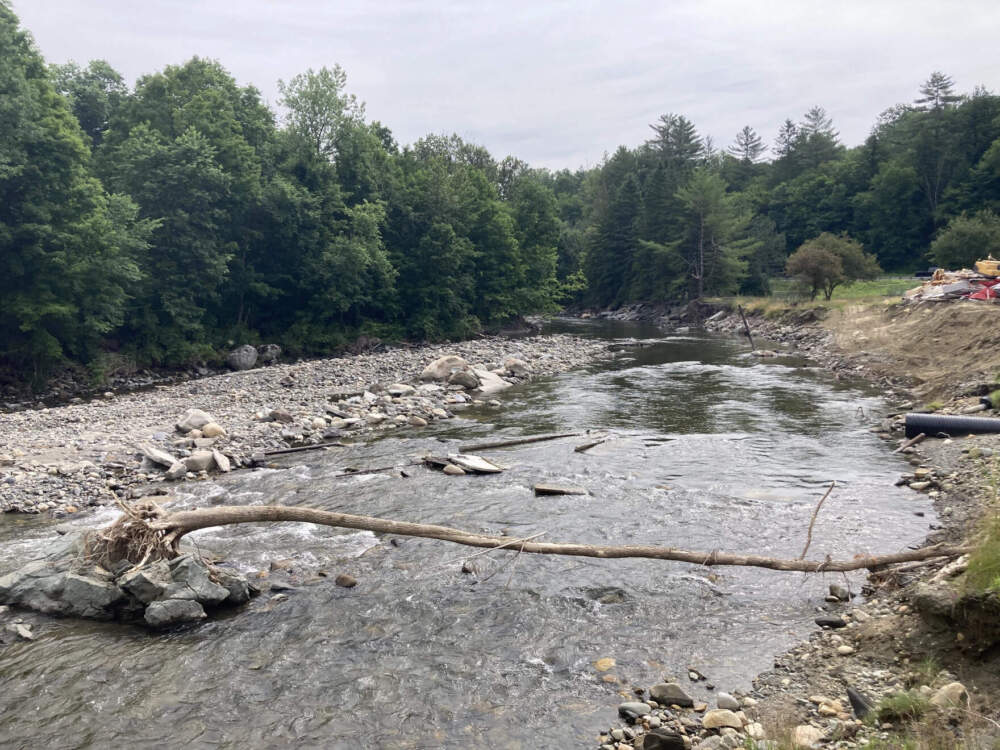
{"points": [[709, 448]]}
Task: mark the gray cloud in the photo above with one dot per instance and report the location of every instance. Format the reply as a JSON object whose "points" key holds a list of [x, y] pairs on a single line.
{"points": [[555, 83]]}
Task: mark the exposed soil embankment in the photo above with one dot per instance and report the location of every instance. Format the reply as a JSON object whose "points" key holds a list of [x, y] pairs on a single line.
{"points": [[935, 350]]}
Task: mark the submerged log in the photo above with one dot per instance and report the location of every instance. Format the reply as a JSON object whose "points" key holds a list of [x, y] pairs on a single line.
{"points": [[473, 447], [169, 528]]}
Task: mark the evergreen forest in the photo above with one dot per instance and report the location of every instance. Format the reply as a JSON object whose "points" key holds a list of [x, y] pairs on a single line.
{"points": [[167, 221]]}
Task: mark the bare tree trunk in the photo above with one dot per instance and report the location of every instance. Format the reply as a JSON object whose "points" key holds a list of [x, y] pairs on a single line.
{"points": [[176, 525]]}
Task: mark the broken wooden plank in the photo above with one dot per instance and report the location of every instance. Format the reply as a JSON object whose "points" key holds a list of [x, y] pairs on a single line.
{"points": [[544, 488], [473, 447], [587, 446], [477, 464], [301, 448]]}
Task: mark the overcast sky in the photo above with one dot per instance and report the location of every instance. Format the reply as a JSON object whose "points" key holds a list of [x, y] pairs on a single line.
{"points": [[556, 83]]}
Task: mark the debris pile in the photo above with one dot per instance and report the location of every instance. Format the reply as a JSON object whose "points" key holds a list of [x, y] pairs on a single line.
{"points": [[962, 284]]}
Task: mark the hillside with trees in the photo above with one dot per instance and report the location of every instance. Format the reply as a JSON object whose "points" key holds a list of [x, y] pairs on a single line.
{"points": [[169, 220]]}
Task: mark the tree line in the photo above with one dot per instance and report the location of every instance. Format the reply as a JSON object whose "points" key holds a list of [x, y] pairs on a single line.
{"points": [[166, 220]]}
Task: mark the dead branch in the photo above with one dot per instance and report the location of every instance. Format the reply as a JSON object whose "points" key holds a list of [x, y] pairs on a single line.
{"points": [[475, 447], [174, 526], [912, 441], [812, 521]]}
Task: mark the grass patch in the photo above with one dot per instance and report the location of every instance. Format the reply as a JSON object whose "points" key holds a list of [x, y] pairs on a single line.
{"points": [[983, 573], [885, 286], [902, 707], [934, 405]]}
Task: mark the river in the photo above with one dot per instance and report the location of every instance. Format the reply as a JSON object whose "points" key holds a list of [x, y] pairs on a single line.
{"points": [[709, 448]]}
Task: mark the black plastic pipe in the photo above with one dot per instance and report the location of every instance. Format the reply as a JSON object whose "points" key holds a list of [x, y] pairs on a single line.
{"points": [[936, 424]]}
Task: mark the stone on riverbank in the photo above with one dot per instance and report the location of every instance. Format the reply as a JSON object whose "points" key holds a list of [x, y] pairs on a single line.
{"points": [[193, 419], [670, 694], [242, 358], [442, 367]]}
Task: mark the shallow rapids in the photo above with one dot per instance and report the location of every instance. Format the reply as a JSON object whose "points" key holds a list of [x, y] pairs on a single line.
{"points": [[709, 448]]}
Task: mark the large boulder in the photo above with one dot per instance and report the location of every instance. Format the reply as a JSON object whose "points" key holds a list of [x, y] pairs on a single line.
{"points": [[173, 612], [269, 353], [516, 367], [242, 357], [147, 583], [193, 419], [156, 455], [465, 378], [50, 587], [191, 581], [199, 461], [442, 367], [489, 382]]}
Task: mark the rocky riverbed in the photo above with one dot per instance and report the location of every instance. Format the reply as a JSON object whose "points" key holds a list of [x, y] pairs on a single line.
{"points": [[64, 459]]}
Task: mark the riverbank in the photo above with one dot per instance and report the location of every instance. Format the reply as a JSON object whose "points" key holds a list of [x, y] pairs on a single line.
{"points": [[910, 661], [64, 459]]}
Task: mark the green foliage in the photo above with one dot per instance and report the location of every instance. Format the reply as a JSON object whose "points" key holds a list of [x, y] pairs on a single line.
{"points": [[200, 219], [967, 239], [828, 260]]}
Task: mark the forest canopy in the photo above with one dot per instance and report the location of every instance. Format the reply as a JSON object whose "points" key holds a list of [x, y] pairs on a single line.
{"points": [[170, 219]]}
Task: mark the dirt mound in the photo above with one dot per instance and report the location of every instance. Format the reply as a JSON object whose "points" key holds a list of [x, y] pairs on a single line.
{"points": [[944, 349]]}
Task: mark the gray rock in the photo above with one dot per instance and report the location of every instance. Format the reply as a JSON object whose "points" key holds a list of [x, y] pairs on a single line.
{"points": [[516, 367], [156, 455], [831, 621], [45, 586], [193, 419], [725, 700], [191, 581], [633, 710], [938, 599], [489, 383], [442, 367], [88, 596], [400, 389], [200, 461], [242, 358], [148, 582], [663, 739], [221, 462], [280, 415], [177, 471], [237, 586], [269, 353], [173, 612], [670, 694], [842, 593], [465, 378]]}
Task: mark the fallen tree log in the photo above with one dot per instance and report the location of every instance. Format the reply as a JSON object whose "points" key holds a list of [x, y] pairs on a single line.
{"points": [[474, 447], [148, 531]]}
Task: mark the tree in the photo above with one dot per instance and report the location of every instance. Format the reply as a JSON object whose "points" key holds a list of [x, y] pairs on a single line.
{"points": [[815, 268], [676, 143], [936, 93], [67, 250], [967, 239], [93, 94], [748, 146], [788, 134], [715, 244], [318, 107], [827, 261]]}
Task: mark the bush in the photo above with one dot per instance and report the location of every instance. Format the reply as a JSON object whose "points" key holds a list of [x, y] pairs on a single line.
{"points": [[827, 261], [967, 239]]}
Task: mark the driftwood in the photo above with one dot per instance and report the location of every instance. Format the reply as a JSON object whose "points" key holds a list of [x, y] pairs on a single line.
{"points": [[302, 448], [149, 532], [587, 446], [746, 326], [812, 521], [473, 447], [912, 441]]}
